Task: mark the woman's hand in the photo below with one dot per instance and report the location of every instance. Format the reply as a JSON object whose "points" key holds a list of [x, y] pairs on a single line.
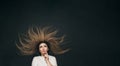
{"points": [[46, 56], [47, 59]]}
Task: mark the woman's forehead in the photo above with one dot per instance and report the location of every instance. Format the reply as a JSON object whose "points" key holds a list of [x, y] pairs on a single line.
{"points": [[41, 44]]}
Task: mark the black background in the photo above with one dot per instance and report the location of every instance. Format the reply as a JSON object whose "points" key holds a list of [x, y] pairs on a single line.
{"points": [[91, 26]]}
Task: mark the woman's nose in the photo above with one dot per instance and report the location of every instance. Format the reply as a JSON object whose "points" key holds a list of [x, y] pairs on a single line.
{"points": [[43, 48]]}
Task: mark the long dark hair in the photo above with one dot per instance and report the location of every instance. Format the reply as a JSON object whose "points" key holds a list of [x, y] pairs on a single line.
{"points": [[37, 35]]}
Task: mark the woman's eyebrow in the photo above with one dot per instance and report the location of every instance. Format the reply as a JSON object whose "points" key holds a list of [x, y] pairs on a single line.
{"points": [[40, 46]]}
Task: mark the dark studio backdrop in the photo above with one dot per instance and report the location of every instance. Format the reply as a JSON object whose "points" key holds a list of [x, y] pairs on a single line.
{"points": [[92, 29]]}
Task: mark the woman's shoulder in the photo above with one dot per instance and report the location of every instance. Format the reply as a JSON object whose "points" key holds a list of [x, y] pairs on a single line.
{"points": [[51, 56], [35, 57]]}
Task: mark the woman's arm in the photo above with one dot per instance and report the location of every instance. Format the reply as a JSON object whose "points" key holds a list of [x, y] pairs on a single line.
{"points": [[47, 60], [34, 62], [54, 61], [50, 62]]}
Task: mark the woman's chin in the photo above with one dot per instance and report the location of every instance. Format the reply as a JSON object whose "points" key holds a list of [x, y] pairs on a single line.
{"points": [[44, 53]]}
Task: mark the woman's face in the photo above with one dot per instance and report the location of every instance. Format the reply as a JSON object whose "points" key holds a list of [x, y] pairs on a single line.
{"points": [[43, 48]]}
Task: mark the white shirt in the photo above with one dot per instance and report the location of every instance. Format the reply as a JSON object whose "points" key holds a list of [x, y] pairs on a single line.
{"points": [[40, 61]]}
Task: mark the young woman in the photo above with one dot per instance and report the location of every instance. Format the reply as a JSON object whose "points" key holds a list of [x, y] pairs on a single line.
{"points": [[42, 40]]}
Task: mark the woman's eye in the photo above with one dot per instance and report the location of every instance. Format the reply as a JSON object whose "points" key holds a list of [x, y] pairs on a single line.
{"points": [[45, 46], [40, 46]]}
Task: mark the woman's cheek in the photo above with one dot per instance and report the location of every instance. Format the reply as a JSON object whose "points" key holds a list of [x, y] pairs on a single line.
{"points": [[40, 50], [46, 49]]}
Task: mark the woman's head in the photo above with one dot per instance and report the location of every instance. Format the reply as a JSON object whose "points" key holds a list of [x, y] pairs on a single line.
{"points": [[43, 47]]}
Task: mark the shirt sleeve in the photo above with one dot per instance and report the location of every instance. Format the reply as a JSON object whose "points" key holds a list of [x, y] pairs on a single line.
{"points": [[34, 61], [54, 61]]}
